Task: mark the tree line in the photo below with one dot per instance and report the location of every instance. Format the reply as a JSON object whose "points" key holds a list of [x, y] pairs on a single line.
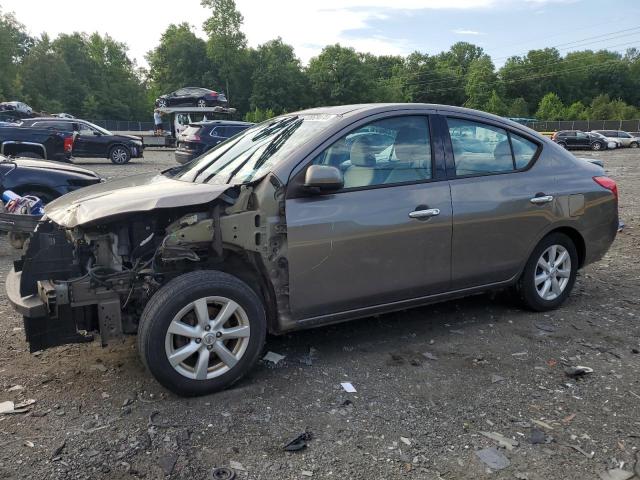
{"points": [[92, 76]]}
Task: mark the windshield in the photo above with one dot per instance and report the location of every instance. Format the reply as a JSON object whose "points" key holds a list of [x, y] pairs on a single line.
{"points": [[103, 131], [252, 153]]}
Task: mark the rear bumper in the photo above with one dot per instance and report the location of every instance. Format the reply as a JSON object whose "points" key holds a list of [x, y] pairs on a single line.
{"points": [[30, 306], [185, 156]]}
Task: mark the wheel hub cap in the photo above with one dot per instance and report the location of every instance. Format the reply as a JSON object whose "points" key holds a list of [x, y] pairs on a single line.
{"points": [[553, 272], [207, 338]]}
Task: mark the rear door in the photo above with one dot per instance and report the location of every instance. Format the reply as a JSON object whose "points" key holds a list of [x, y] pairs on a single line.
{"points": [[386, 236], [498, 199], [582, 140]]}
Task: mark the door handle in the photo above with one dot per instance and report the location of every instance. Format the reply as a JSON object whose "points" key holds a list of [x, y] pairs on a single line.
{"points": [[430, 212], [542, 199]]}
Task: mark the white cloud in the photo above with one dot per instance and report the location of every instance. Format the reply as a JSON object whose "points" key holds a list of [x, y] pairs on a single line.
{"points": [[308, 25], [462, 31]]}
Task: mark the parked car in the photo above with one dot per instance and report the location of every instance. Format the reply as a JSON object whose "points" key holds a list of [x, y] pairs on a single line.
{"points": [[266, 233], [91, 140], [63, 115], [41, 143], [612, 143], [200, 137], [16, 106], [625, 139], [576, 139], [38, 178], [192, 96]]}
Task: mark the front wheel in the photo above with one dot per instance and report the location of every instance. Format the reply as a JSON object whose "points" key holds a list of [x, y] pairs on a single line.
{"points": [[550, 273], [596, 146], [202, 332], [633, 144], [119, 155], [202, 103]]}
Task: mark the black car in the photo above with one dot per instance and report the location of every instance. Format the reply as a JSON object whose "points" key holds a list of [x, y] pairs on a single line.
{"points": [[192, 97], [577, 139], [200, 137], [18, 141], [91, 140]]}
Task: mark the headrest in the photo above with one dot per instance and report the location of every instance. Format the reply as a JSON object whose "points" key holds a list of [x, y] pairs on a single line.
{"points": [[362, 154], [411, 144], [502, 150]]}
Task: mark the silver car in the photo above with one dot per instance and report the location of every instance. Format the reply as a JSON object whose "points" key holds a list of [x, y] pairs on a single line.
{"points": [[308, 219], [624, 139]]}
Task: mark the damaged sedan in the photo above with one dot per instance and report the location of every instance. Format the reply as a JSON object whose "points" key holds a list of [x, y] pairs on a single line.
{"points": [[308, 219]]}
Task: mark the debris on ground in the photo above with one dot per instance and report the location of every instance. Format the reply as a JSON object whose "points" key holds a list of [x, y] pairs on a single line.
{"points": [[16, 388], [306, 473], [542, 424], [497, 379], [537, 436], [222, 473], [616, 474], [7, 407], [406, 441], [237, 466], [429, 356], [299, 442], [273, 357], [58, 450], [168, 463], [348, 387], [308, 358], [493, 458], [579, 449], [544, 327], [578, 371], [10, 407], [505, 442]]}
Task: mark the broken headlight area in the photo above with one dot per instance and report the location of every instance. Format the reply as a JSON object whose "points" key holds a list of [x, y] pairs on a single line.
{"points": [[87, 280]]}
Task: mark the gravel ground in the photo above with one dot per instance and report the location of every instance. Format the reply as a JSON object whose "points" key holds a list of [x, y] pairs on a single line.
{"points": [[429, 382]]}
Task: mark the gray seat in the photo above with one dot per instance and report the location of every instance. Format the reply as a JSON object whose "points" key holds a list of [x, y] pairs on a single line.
{"points": [[413, 154], [362, 171], [503, 157]]}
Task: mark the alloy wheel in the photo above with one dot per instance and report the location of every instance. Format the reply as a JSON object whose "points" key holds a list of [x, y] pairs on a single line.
{"points": [[119, 155], [552, 272], [162, 103], [596, 146], [202, 103], [207, 338]]}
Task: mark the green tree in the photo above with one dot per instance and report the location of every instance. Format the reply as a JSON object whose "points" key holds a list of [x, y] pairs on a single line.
{"points": [[179, 60], [227, 44], [495, 104], [278, 81], [576, 111], [519, 108], [257, 115], [551, 108], [338, 76], [481, 82], [14, 45]]}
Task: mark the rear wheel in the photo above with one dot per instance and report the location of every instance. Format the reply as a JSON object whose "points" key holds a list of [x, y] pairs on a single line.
{"points": [[201, 332], [162, 103], [202, 103], [550, 273], [596, 146], [633, 144], [119, 155]]}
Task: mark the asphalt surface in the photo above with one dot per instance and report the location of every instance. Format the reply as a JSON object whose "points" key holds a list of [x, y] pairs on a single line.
{"points": [[428, 383]]}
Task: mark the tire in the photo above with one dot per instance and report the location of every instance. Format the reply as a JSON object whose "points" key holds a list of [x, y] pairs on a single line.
{"points": [[119, 155], [162, 103], [29, 155], [176, 301], [532, 283], [633, 145], [201, 103], [596, 146]]}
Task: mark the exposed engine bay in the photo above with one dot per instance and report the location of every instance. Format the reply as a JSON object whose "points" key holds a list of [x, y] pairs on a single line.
{"points": [[98, 277]]}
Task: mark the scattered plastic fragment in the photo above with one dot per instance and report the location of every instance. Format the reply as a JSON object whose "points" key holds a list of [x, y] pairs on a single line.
{"points": [[273, 357], [497, 378], [16, 388], [578, 371], [6, 407], [616, 474], [348, 387], [545, 327], [493, 458], [505, 442], [577, 448], [237, 466], [429, 356], [298, 443], [406, 441], [542, 424]]}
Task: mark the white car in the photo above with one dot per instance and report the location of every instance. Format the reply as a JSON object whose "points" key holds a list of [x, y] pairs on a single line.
{"points": [[611, 142], [63, 115], [16, 106], [625, 139]]}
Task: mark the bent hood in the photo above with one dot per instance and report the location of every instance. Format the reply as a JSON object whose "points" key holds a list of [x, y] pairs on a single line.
{"points": [[139, 193]]}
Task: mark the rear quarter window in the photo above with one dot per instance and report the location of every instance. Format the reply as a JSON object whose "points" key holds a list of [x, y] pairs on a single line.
{"points": [[524, 151]]}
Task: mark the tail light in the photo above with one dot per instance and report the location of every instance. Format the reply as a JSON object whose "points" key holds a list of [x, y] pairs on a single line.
{"points": [[193, 138], [68, 144], [213, 94], [607, 183]]}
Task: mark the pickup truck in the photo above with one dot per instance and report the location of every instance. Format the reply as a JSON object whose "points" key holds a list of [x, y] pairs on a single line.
{"points": [[36, 143]]}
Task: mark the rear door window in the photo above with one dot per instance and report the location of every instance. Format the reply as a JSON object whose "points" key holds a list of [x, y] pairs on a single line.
{"points": [[524, 150], [479, 148]]}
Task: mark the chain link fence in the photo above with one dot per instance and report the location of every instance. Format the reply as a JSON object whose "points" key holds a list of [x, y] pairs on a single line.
{"points": [[585, 125]]}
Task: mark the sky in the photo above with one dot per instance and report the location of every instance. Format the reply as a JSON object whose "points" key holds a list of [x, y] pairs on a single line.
{"points": [[502, 27]]}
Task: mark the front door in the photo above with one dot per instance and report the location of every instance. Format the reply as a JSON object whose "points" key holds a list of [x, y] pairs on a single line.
{"points": [[386, 236], [502, 201]]}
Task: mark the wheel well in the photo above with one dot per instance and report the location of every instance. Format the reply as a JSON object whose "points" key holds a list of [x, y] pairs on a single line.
{"points": [[111, 147], [249, 272], [577, 240], [14, 148]]}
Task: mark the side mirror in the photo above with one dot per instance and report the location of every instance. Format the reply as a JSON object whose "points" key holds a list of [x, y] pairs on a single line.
{"points": [[323, 178]]}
